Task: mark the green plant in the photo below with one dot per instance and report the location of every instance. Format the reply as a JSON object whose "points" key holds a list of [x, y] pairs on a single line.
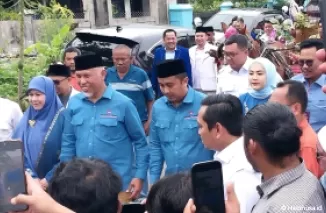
{"points": [[302, 21], [206, 5], [55, 30], [8, 15]]}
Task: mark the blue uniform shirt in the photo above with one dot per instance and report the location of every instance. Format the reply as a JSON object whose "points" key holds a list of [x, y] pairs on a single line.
{"points": [[316, 111], [109, 130], [135, 85], [248, 102], [174, 136]]}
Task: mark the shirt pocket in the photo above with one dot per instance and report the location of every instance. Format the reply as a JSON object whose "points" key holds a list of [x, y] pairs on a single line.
{"points": [[77, 123], [163, 131], [109, 129], [190, 130], [316, 110]]}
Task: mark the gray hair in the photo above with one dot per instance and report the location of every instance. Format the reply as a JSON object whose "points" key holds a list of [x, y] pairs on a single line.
{"points": [[125, 47]]}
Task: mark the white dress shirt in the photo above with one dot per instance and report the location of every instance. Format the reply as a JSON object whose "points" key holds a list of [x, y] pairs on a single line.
{"points": [[203, 68], [236, 169], [234, 82], [10, 114]]}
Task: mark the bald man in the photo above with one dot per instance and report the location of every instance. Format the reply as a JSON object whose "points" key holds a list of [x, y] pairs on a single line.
{"points": [[131, 81]]}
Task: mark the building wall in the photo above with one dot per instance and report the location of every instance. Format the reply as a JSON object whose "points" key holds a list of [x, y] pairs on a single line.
{"points": [[153, 13]]}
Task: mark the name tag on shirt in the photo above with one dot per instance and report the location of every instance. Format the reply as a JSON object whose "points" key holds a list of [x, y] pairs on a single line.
{"points": [[108, 115], [191, 116]]}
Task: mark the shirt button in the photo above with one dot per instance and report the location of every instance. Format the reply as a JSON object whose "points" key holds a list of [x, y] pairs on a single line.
{"points": [[92, 117], [176, 138], [176, 125], [91, 130]]}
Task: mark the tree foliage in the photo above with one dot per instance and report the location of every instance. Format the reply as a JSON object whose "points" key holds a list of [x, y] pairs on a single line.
{"points": [[55, 32]]}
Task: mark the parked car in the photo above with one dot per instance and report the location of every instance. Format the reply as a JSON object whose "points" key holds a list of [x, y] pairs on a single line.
{"points": [[143, 39], [252, 18]]}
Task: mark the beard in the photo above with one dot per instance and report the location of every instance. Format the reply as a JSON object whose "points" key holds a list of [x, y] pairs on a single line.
{"points": [[88, 95]]}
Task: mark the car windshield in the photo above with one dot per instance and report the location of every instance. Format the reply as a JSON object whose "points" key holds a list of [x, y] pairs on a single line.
{"points": [[216, 20]]}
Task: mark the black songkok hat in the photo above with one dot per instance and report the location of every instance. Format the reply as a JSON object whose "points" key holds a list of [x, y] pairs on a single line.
{"points": [[170, 68], [209, 29], [201, 30], [58, 70], [85, 62]]}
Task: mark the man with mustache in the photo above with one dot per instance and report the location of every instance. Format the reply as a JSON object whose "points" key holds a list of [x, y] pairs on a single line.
{"points": [[103, 123]]}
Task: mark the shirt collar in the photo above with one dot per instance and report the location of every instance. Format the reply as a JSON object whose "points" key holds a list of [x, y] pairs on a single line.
{"points": [[189, 98], [320, 81], [107, 93], [268, 187], [245, 67], [226, 155]]}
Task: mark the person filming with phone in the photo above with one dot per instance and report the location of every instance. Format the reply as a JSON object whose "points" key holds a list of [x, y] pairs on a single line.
{"points": [[271, 142]]}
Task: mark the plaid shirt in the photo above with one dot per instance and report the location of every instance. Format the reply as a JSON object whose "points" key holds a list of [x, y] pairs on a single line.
{"points": [[296, 190]]}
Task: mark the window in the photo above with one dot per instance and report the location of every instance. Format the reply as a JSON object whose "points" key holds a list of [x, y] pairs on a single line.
{"points": [[216, 20]]}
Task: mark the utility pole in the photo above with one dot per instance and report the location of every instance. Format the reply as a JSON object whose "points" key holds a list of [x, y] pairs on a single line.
{"points": [[21, 50]]}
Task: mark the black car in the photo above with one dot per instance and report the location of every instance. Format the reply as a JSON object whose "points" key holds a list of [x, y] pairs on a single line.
{"points": [[142, 38]]}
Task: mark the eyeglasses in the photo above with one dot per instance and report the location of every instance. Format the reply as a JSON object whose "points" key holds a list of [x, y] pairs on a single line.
{"points": [[57, 82], [308, 62]]}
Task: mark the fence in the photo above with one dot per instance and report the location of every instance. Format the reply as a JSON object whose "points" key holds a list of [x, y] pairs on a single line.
{"points": [[9, 34]]}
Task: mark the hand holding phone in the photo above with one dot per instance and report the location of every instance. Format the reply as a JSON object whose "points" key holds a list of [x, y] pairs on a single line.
{"points": [[12, 176], [208, 187]]}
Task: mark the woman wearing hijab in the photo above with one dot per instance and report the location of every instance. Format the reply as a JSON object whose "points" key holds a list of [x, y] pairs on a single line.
{"points": [[41, 129], [263, 79]]}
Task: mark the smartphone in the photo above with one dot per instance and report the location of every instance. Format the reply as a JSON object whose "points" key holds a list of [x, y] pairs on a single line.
{"points": [[208, 187], [12, 176], [322, 7]]}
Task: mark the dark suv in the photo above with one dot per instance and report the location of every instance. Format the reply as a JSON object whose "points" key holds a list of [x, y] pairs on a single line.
{"points": [[142, 38]]}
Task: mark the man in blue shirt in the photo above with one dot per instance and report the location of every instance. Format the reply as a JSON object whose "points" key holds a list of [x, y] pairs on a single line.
{"points": [[103, 123], [173, 133], [131, 81], [313, 80]]}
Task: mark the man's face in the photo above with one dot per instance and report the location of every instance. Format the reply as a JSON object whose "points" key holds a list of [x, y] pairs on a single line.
{"points": [[122, 59], [90, 81], [200, 38], [207, 136], [279, 95], [235, 56], [309, 63], [173, 87], [170, 40], [69, 60], [62, 85]]}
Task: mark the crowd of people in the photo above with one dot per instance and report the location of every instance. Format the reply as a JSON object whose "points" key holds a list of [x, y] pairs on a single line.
{"points": [[93, 132]]}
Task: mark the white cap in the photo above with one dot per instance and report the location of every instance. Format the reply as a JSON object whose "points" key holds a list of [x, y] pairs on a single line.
{"points": [[285, 9]]}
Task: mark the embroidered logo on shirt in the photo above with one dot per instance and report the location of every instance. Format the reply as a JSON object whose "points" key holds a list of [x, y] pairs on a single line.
{"points": [[190, 115], [108, 115]]}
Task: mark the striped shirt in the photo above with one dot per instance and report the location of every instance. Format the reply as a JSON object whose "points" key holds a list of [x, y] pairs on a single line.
{"points": [[135, 85], [296, 190]]}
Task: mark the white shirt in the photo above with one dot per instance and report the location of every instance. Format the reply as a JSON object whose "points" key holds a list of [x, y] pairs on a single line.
{"points": [[203, 68], [73, 92], [10, 114], [233, 82], [236, 169]]}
